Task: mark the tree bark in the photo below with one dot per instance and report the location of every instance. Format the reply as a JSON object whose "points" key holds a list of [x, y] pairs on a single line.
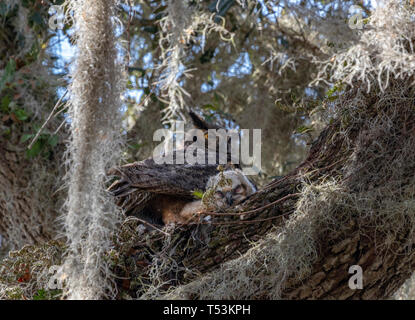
{"points": [[21, 219], [202, 248], [26, 206]]}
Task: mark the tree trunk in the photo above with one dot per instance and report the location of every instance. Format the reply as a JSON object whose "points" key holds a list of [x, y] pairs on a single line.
{"points": [[24, 218], [27, 201], [366, 151]]}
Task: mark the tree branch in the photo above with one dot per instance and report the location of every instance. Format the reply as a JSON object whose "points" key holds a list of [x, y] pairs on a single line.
{"points": [[349, 203]]}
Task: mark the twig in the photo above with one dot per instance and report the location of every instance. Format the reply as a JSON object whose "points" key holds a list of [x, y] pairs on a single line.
{"points": [[47, 120], [243, 221], [152, 226], [250, 211], [60, 126]]}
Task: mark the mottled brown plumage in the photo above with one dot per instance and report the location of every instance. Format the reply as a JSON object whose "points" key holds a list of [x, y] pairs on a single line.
{"points": [[144, 187], [164, 193]]}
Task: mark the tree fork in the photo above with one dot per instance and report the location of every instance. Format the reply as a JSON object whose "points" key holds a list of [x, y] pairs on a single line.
{"points": [[202, 248]]}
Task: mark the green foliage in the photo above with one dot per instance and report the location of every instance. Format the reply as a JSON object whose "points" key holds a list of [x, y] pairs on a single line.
{"points": [[17, 81], [304, 129], [198, 194], [21, 114], [8, 73], [14, 293], [135, 146], [333, 93], [4, 104], [22, 273], [42, 146], [44, 294]]}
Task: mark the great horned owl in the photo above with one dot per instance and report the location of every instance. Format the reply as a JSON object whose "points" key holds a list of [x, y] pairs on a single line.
{"points": [[222, 191], [229, 187], [163, 194]]}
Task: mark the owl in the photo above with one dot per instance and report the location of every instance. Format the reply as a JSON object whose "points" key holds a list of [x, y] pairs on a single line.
{"points": [[228, 188], [223, 190], [165, 193]]}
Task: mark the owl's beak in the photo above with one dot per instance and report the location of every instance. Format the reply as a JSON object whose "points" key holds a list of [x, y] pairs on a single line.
{"points": [[229, 199]]}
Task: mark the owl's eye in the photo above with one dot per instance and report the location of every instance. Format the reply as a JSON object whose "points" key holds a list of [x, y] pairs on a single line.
{"points": [[218, 194], [238, 189]]}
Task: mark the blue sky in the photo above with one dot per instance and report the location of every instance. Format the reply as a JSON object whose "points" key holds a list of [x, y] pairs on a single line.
{"points": [[66, 52]]}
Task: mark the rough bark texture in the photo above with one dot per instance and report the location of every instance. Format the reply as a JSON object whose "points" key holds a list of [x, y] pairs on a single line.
{"points": [[27, 201], [383, 273], [19, 216], [203, 247]]}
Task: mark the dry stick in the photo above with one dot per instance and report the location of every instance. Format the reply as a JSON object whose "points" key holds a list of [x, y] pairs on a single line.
{"points": [[62, 123], [224, 223], [59, 112], [254, 210], [60, 126], [273, 183], [47, 120], [152, 226], [131, 13], [232, 214], [243, 221], [235, 214], [249, 211]]}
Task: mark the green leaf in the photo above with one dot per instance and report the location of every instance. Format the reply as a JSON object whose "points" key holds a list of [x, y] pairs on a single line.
{"points": [[135, 146], [8, 73], [53, 140], [35, 149], [331, 91], [21, 114], [10, 68], [198, 194], [209, 107], [36, 127], [5, 103], [304, 129], [26, 137], [40, 295], [43, 294]]}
